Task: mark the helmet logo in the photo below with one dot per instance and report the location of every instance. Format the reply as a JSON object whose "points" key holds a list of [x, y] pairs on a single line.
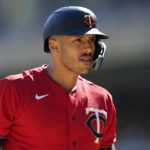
{"points": [[89, 20]]}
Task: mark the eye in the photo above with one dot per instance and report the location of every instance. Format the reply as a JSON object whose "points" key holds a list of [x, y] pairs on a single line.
{"points": [[92, 40], [78, 40]]}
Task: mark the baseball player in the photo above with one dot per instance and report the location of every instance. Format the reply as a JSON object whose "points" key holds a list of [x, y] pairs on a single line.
{"points": [[52, 107]]}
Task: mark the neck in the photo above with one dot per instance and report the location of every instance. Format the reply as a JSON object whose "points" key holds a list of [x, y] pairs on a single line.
{"points": [[65, 79]]}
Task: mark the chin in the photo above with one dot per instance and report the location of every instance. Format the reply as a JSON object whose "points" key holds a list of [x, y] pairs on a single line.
{"points": [[84, 71], [81, 70]]}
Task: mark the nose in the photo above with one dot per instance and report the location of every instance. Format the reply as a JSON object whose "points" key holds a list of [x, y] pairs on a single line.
{"points": [[88, 47]]}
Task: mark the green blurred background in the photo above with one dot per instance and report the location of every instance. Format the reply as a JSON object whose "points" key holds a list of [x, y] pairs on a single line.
{"points": [[126, 67]]}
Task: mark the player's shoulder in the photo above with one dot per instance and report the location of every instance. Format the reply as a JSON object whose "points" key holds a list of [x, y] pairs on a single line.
{"points": [[95, 89], [20, 78], [92, 85]]}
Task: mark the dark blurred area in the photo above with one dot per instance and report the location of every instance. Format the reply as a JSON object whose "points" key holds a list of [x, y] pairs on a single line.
{"points": [[126, 67]]}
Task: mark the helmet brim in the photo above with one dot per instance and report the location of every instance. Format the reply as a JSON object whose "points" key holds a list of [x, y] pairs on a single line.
{"points": [[84, 31], [100, 35]]}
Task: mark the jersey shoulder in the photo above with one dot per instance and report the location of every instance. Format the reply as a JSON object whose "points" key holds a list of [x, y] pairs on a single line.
{"points": [[21, 84], [22, 77], [88, 85], [20, 88], [96, 94]]}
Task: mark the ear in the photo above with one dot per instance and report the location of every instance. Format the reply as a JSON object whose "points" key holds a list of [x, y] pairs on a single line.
{"points": [[52, 44]]}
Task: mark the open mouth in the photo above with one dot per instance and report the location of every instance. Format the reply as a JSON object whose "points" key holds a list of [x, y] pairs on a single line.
{"points": [[86, 60]]}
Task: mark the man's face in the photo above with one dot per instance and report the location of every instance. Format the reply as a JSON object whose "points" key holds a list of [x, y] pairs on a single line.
{"points": [[75, 53]]}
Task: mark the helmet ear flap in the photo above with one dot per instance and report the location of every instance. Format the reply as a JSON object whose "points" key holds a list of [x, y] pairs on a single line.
{"points": [[97, 49], [100, 49], [46, 47]]}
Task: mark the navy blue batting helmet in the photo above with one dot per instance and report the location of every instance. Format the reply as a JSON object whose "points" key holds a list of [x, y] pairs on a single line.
{"points": [[74, 20]]}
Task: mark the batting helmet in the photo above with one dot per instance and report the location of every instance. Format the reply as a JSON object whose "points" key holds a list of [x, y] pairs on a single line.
{"points": [[75, 20]]}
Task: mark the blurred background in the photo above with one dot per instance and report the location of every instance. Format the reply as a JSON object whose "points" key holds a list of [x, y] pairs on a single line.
{"points": [[126, 68]]}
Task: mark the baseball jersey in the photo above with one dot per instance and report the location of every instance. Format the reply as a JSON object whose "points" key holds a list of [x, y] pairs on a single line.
{"points": [[38, 114]]}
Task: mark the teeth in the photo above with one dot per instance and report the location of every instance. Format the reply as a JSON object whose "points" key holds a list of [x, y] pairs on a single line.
{"points": [[85, 59]]}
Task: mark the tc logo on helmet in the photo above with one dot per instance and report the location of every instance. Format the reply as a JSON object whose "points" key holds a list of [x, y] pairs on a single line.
{"points": [[89, 20]]}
